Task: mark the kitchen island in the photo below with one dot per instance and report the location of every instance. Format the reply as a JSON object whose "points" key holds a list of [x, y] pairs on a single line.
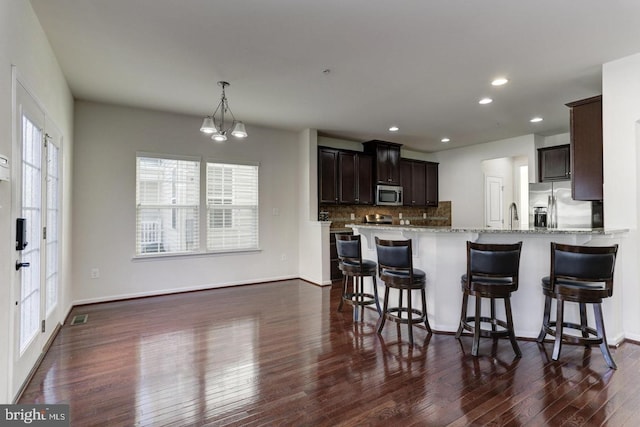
{"points": [[441, 253]]}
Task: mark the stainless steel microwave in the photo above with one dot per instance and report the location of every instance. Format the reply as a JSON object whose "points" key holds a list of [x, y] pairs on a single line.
{"points": [[388, 195]]}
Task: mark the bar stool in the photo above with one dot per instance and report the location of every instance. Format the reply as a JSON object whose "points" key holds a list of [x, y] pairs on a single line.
{"points": [[395, 268], [492, 272], [355, 268], [582, 274]]}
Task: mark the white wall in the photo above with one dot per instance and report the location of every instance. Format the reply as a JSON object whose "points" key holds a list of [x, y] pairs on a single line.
{"points": [[108, 138], [23, 44], [621, 138], [461, 178], [313, 235]]}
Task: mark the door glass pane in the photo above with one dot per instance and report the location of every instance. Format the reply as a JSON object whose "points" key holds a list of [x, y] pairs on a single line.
{"points": [[53, 238], [31, 210]]}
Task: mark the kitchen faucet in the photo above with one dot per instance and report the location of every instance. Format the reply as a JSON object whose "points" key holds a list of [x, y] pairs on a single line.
{"points": [[513, 214]]}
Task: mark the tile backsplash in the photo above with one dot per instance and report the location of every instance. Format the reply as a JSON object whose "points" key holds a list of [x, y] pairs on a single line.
{"points": [[339, 215]]}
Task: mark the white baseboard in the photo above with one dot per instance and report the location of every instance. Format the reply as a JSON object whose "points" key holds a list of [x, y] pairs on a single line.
{"points": [[204, 287]]}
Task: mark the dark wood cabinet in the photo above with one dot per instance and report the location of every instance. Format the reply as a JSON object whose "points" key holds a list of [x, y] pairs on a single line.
{"points": [[554, 163], [586, 148], [387, 161], [344, 177], [419, 182], [355, 178], [432, 184], [327, 175]]}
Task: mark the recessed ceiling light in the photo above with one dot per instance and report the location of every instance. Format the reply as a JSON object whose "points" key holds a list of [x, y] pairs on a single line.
{"points": [[445, 140], [485, 101], [499, 81], [394, 129], [536, 120]]}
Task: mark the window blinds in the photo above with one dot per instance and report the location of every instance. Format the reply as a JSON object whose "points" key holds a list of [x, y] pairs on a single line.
{"points": [[167, 205], [232, 207]]}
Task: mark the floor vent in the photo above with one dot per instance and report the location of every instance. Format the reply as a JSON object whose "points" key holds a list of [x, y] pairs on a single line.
{"points": [[79, 319]]}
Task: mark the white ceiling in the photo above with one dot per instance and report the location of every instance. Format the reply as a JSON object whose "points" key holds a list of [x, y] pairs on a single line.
{"points": [[419, 64]]}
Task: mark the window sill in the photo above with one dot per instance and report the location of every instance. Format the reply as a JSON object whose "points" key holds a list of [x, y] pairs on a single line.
{"points": [[158, 257]]}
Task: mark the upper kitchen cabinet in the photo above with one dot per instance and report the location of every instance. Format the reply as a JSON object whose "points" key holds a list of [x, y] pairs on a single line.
{"points": [[387, 161], [419, 182], [554, 163], [586, 148], [327, 175], [355, 178], [432, 184], [344, 177]]}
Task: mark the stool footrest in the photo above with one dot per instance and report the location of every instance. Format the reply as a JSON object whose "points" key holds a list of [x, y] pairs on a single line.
{"points": [[468, 325], [395, 314], [354, 298], [594, 339]]}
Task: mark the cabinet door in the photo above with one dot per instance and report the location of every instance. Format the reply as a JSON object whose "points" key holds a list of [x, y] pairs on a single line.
{"points": [[382, 165], [365, 180], [347, 178], [406, 181], [553, 163], [432, 184], [393, 165], [418, 184], [586, 148], [328, 175]]}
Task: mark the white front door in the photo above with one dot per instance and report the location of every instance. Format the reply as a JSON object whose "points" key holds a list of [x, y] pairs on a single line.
{"points": [[493, 204], [36, 205]]}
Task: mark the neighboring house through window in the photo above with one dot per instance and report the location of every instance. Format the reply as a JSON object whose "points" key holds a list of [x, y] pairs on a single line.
{"points": [[168, 205], [168, 210]]}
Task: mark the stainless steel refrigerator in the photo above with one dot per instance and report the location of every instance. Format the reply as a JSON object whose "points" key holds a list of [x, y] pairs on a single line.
{"points": [[569, 213]]}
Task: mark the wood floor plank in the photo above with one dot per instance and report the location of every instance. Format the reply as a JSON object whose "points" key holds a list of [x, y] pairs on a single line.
{"points": [[280, 354]]}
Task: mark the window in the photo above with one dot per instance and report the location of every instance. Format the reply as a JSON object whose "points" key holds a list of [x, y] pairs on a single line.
{"points": [[232, 207], [167, 205]]}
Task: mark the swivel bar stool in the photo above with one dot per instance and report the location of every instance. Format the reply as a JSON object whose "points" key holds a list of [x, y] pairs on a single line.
{"points": [[355, 269], [395, 268], [582, 274], [492, 272]]}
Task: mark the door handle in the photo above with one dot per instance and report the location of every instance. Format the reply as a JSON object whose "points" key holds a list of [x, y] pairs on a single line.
{"points": [[19, 265]]}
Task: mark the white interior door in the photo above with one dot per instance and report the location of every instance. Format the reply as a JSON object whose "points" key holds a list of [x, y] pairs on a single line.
{"points": [[493, 204], [37, 201]]}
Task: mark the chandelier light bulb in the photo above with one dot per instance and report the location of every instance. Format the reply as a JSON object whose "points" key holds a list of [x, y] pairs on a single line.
{"points": [[219, 137]]}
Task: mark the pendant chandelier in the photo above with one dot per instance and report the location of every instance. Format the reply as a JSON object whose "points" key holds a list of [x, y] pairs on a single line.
{"points": [[214, 124]]}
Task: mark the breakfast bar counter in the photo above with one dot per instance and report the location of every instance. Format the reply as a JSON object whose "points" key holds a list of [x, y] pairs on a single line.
{"points": [[441, 253]]}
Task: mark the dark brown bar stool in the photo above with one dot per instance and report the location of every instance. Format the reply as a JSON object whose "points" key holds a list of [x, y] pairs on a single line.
{"points": [[395, 268], [582, 274], [355, 269], [492, 272]]}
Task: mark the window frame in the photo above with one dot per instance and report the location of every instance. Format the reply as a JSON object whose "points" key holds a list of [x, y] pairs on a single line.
{"points": [[171, 206], [225, 216], [202, 211]]}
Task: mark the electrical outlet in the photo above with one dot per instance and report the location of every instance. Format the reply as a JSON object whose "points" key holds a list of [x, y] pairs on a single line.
{"points": [[353, 216], [283, 257], [400, 215], [424, 215], [95, 273]]}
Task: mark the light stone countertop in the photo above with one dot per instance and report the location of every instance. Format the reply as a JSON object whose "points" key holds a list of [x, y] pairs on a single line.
{"points": [[591, 231]]}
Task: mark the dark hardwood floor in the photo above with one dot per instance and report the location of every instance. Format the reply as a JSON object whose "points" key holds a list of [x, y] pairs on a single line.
{"points": [[280, 354]]}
